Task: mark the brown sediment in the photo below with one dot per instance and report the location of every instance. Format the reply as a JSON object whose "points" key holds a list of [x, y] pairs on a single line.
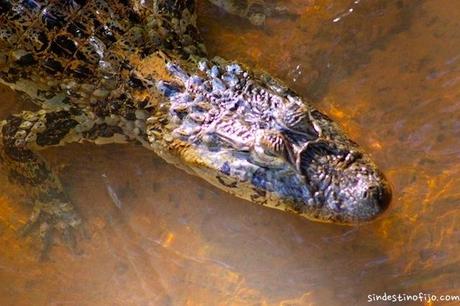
{"points": [[178, 240]]}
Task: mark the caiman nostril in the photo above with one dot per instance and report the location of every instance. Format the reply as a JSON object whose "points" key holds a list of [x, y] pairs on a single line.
{"points": [[380, 194], [385, 197]]}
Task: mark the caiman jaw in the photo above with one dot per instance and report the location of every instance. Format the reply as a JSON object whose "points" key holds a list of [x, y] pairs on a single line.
{"points": [[250, 135]]}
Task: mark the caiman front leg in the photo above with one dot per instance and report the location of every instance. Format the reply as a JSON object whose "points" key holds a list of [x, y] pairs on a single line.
{"points": [[21, 137], [256, 11]]}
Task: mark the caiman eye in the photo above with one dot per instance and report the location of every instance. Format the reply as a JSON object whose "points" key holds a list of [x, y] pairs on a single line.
{"points": [[295, 117], [272, 143], [271, 148]]}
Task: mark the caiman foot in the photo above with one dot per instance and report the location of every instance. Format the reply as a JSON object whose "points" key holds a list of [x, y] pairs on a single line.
{"points": [[51, 217], [255, 11], [278, 12]]}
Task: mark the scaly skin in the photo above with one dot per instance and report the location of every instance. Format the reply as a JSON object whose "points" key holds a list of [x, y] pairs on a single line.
{"points": [[135, 71]]}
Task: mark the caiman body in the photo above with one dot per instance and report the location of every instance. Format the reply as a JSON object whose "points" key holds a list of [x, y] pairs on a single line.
{"points": [[136, 71]]}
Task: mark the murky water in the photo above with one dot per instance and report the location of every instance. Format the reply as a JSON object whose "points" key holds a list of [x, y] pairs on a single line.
{"points": [[387, 71]]}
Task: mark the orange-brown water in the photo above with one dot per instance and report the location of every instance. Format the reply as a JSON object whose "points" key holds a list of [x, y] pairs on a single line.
{"points": [[387, 71]]}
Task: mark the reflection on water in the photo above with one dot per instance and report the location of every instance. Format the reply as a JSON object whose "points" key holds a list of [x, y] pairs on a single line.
{"points": [[388, 71]]}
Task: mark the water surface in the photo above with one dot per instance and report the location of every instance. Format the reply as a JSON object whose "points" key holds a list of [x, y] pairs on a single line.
{"points": [[387, 71]]}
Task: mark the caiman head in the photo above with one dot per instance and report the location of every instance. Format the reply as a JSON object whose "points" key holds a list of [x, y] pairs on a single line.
{"points": [[251, 136]]}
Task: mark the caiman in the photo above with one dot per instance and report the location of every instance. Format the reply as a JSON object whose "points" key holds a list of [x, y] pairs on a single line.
{"points": [[136, 71]]}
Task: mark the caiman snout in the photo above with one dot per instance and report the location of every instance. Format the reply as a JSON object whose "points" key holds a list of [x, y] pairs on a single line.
{"points": [[372, 203], [346, 185], [379, 195], [363, 195]]}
